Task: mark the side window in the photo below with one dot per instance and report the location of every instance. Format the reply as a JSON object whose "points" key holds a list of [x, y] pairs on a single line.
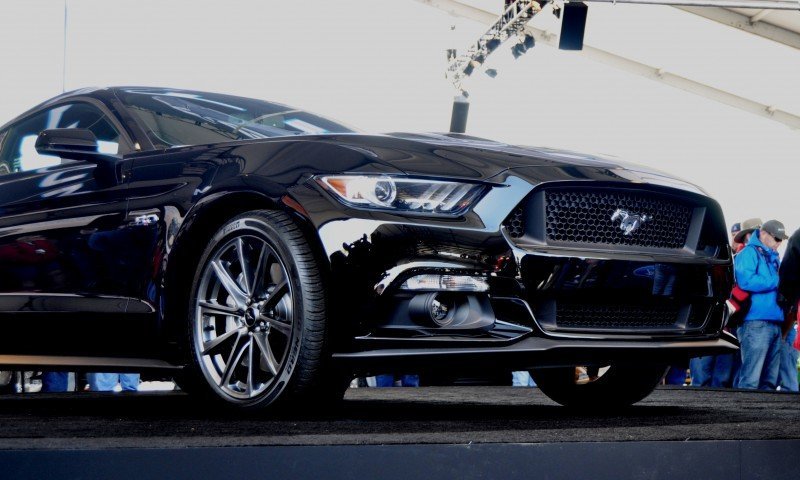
{"points": [[18, 151], [4, 168], [83, 115]]}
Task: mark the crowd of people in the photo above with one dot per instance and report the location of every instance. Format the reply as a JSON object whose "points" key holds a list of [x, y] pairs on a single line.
{"points": [[764, 309]]}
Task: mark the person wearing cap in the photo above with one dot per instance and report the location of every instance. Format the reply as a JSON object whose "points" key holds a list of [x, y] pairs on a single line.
{"points": [[720, 371], [735, 228], [742, 235], [789, 289], [760, 335]]}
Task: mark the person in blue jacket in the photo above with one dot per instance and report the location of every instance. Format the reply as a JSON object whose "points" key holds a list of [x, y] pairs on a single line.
{"points": [[760, 335]]}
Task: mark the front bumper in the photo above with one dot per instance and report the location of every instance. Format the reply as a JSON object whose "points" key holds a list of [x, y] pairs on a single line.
{"points": [[661, 306], [532, 352]]}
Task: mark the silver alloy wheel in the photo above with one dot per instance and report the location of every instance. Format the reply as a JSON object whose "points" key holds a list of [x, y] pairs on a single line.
{"points": [[243, 318]]}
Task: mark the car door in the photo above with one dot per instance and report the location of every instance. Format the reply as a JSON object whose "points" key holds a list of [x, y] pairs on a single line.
{"points": [[65, 251]]}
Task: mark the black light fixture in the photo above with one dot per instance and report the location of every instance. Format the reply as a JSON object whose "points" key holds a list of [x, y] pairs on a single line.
{"points": [[525, 43], [492, 44], [528, 41], [468, 69], [518, 49]]}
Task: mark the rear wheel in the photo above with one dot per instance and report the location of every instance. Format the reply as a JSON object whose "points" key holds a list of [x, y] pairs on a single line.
{"points": [[257, 320], [597, 389]]}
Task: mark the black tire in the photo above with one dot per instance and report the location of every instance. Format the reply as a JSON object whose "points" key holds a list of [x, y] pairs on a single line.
{"points": [[619, 387], [295, 369]]}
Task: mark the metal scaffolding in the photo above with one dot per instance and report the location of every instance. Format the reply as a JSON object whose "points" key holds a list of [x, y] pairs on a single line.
{"points": [[654, 73]]}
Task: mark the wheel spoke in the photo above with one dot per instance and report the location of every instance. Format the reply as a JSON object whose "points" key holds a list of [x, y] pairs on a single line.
{"points": [[212, 347], [245, 267], [233, 359], [250, 363], [230, 285], [277, 293], [209, 308], [258, 272], [283, 326], [266, 352]]}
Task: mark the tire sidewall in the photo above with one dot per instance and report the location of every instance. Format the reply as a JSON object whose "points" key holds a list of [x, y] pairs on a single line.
{"points": [[256, 226]]}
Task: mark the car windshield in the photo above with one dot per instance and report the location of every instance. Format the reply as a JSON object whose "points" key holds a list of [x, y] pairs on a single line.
{"points": [[174, 118]]}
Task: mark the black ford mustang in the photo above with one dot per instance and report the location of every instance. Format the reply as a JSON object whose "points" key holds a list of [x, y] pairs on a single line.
{"points": [[265, 254]]}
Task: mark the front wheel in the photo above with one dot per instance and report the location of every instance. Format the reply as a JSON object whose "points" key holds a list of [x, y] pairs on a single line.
{"points": [[604, 388], [257, 319]]}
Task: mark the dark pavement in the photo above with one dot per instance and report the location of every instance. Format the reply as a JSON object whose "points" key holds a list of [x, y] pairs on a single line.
{"points": [[369, 416]]}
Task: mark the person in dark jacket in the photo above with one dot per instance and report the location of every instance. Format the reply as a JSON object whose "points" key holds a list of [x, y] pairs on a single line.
{"points": [[790, 271], [789, 290], [760, 335]]}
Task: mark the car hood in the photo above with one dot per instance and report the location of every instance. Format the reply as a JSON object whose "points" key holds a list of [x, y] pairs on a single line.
{"points": [[462, 156]]}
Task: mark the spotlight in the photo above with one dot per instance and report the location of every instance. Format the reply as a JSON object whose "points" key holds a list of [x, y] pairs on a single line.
{"points": [[517, 50], [528, 41], [479, 58], [491, 72], [492, 44], [468, 69]]}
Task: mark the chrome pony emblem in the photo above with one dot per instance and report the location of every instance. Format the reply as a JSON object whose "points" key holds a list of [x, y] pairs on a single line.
{"points": [[629, 222]]}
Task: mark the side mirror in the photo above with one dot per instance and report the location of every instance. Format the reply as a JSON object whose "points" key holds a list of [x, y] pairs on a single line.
{"points": [[73, 143], [79, 144]]}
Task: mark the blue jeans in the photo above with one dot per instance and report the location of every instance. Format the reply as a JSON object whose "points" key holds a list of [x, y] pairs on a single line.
{"points": [[105, 382], [55, 381], [787, 378], [405, 380], [714, 370], [760, 349], [676, 375], [522, 379]]}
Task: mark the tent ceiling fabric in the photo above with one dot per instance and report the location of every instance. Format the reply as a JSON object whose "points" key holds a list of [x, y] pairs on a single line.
{"points": [[781, 26]]}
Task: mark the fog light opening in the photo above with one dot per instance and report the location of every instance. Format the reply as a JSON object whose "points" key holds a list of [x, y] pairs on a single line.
{"points": [[451, 311], [441, 309], [435, 309]]}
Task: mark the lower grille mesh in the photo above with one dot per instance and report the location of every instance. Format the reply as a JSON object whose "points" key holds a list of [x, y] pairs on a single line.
{"points": [[610, 317]]}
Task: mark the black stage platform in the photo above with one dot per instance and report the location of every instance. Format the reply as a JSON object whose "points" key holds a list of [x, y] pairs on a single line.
{"points": [[438, 432]]}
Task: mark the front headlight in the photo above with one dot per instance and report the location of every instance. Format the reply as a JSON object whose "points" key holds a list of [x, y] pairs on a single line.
{"points": [[403, 194]]}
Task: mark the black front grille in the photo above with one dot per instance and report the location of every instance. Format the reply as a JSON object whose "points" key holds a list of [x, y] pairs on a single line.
{"points": [[585, 216], [615, 317], [514, 223]]}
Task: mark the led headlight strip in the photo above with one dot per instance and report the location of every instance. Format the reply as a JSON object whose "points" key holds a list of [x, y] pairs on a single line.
{"points": [[405, 194]]}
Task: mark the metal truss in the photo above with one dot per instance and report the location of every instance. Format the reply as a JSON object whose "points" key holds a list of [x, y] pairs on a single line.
{"points": [[511, 22], [657, 74]]}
